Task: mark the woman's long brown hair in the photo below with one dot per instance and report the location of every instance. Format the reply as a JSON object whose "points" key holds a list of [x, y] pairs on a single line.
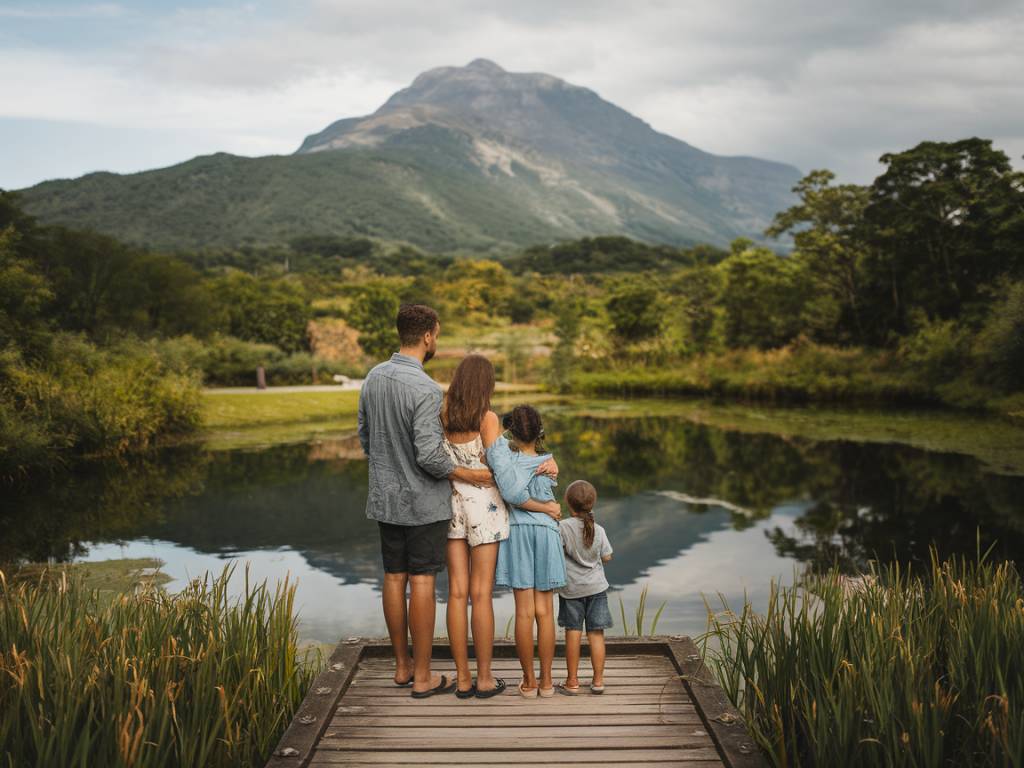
{"points": [[469, 395]]}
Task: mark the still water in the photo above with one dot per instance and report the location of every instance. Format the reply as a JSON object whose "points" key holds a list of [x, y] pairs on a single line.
{"points": [[694, 507]]}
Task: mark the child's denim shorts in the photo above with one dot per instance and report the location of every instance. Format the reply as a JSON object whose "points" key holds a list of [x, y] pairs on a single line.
{"points": [[592, 611]]}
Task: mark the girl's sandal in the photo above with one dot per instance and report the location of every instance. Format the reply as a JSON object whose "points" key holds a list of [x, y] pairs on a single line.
{"points": [[598, 689], [546, 693], [567, 690], [527, 694]]}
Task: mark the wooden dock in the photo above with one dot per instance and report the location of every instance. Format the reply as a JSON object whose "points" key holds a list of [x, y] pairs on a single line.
{"points": [[661, 708]]}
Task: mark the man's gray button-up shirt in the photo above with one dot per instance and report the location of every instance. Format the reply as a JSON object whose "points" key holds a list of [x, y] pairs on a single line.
{"points": [[400, 430]]}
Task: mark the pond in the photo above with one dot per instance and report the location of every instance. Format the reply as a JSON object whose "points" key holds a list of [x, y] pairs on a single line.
{"points": [[698, 499]]}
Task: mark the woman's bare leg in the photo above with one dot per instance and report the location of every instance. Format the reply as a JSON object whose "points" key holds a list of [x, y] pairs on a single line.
{"points": [[483, 559], [458, 596], [573, 641], [545, 634], [525, 615], [596, 639]]}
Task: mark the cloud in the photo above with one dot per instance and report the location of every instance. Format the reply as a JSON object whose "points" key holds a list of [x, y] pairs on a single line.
{"points": [[36, 12], [817, 86]]}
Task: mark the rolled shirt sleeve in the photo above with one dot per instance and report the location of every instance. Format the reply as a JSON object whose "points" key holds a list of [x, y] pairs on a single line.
{"points": [[428, 437]]}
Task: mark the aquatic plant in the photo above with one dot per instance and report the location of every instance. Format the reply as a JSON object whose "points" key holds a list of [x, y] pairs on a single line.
{"points": [[894, 669], [634, 626], [147, 679]]}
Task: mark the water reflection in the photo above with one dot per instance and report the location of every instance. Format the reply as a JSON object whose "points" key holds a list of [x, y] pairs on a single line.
{"points": [[689, 509]]}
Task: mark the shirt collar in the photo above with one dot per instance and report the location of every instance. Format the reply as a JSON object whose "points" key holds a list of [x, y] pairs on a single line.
{"points": [[398, 357]]}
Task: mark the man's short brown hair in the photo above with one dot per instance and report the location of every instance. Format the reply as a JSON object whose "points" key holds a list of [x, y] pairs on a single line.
{"points": [[413, 321]]}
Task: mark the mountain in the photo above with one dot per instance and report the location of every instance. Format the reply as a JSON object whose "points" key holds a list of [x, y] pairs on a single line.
{"points": [[467, 157]]}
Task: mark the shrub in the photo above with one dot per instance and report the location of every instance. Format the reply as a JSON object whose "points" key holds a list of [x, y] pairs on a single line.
{"points": [[895, 669], [147, 679]]}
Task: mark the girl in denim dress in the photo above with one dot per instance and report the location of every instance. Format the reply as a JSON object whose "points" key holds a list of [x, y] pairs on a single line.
{"points": [[531, 559]]}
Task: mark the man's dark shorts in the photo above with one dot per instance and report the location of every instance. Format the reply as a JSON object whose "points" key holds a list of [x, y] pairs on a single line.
{"points": [[415, 549]]}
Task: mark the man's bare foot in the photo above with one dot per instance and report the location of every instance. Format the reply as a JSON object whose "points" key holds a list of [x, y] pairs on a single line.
{"points": [[403, 672]]}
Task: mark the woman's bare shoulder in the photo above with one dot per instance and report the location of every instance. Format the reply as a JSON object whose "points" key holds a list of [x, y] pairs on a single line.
{"points": [[490, 429]]}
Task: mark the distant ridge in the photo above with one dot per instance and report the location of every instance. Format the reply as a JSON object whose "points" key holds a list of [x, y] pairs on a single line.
{"points": [[465, 158]]}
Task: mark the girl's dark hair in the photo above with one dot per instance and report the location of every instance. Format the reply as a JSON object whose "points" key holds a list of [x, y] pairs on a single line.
{"points": [[581, 497], [469, 395], [524, 423]]}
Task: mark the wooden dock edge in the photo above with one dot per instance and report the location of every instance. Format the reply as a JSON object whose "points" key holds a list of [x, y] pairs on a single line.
{"points": [[295, 747], [722, 720]]}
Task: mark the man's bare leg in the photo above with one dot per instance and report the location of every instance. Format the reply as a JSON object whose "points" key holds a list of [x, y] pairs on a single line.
{"points": [[458, 610], [422, 607], [396, 617]]}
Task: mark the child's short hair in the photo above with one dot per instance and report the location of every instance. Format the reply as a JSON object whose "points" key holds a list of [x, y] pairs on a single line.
{"points": [[581, 496]]}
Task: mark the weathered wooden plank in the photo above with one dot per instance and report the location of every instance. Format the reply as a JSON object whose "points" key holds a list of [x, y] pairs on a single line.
{"points": [[626, 673], [576, 706], [296, 744], [577, 720], [456, 735], [605, 758], [651, 692], [722, 719], [674, 762], [553, 743]]}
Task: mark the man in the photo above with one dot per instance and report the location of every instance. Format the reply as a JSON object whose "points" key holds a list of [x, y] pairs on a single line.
{"points": [[409, 493]]}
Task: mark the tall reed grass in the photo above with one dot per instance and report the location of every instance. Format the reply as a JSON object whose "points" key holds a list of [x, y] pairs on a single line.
{"points": [[905, 670], [634, 625], [147, 679]]}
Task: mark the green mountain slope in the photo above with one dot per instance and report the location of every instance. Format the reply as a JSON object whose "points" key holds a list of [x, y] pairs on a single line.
{"points": [[471, 158]]}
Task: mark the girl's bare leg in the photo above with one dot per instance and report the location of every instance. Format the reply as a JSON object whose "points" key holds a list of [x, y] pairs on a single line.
{"points": [[483, 559], [545, 634], [458, 606], [596, 639], [573, 640], [525, 615]]}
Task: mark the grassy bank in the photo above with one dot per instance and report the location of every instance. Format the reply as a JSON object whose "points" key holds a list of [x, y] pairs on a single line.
{"points": [[800, 373], [145, 679], [898, 669]]}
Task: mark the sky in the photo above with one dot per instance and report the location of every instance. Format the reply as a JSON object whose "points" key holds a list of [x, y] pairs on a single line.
{"points": [[126, 86]]}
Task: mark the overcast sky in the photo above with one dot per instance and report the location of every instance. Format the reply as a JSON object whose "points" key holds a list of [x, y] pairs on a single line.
{"points": [[125, 86]]}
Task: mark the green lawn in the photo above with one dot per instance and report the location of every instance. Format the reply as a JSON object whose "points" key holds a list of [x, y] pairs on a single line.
{"points": [[239, 410]]}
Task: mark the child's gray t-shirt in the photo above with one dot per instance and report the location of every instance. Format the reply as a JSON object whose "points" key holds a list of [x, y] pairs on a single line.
{"points": [[584, 570]]}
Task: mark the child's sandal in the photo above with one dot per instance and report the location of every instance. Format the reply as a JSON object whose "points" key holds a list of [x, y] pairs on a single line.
{"points": [[527, 694], [546, 693], [567, 690], [598, 689]]}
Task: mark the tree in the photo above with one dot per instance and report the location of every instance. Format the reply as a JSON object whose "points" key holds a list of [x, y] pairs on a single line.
{"points": [[373, 311], [270, 311], [24, 296], [763, 297], [944, 221], [828, 230], [634, 307]]}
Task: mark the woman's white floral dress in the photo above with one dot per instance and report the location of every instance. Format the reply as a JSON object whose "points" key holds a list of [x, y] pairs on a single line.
{"points": [[479, 515]]}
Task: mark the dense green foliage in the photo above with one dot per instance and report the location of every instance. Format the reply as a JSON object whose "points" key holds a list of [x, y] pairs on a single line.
{"points": [[145, 679], [896, 669]]}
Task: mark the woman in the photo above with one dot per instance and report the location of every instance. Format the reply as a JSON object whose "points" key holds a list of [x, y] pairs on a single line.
{"points": [[479, 522]]}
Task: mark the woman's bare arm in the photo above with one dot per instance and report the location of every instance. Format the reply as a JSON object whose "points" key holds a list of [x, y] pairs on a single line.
{"points": [[490, 429]]}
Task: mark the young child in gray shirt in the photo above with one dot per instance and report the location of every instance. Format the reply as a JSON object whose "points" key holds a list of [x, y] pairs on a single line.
{"points": [[583, 601]]}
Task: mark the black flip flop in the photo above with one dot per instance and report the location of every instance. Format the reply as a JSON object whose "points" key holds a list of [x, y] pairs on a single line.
{"points": [[443, 687], [499, 687], [467, 694]]}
